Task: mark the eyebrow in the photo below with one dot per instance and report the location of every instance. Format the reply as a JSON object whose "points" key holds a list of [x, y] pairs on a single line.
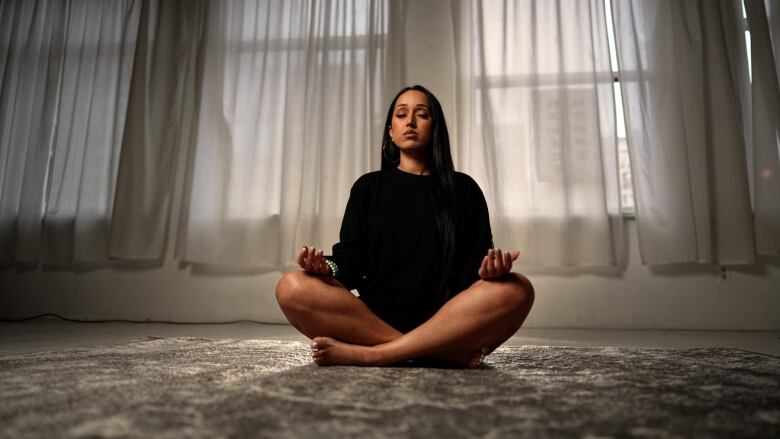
{"points": [[418, 106]]}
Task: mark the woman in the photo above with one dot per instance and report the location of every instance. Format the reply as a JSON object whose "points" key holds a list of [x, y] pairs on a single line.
{"points": [[416, 243]]}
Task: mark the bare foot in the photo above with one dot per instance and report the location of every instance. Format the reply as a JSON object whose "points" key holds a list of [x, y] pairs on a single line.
{"points": [[326, 351], [469, 360]]}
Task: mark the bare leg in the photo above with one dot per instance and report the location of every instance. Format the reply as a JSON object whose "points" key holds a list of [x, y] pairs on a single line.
{"points": [[483, 316], [318, 306], [321, 306]]}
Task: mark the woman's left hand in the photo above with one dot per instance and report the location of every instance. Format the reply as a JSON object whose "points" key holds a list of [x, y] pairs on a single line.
{"points": [[496, 264]]}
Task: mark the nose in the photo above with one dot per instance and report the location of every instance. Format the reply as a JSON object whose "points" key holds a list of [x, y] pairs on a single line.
{"points": [[412, 122]]}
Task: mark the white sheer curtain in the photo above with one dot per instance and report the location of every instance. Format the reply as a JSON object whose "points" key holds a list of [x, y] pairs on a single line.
{"points": [[765, 128], [64, 75], [290, 115], [158, 129], [773, 21], [271, 109], [681, 74], [536, 125]]}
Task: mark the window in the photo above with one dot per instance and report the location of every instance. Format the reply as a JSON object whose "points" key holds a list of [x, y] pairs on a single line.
{"points": [[624, 161], [543, 101], [283, 61], [747, 40], [626, 188]]}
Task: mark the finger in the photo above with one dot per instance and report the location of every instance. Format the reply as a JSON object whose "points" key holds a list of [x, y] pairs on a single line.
{"points": [[302, 257], [483, 268], [507, 262], [323, 267], [315, 261], [514, 254], [491, 268], [310, 260], [499, 262]]}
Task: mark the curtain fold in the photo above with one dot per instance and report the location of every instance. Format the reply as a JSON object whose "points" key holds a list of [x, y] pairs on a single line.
{"points": [[290, 114], [536, 127], [766, 126], [31, 67], [159, 111], [684, 131], [66, 67], [773, 20]]}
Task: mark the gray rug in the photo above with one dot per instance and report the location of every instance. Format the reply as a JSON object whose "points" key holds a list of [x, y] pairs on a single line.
{"points": [[175, 387]]}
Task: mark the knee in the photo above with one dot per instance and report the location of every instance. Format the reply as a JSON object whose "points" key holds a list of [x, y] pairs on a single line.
{"points": [[518, 291], [290, 289]]}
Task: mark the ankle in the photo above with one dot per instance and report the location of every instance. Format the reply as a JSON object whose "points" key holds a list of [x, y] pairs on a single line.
{"points": [[381, 355]]}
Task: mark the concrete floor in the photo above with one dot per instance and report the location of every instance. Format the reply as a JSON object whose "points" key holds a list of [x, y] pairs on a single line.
{"points": [[51, 333]]}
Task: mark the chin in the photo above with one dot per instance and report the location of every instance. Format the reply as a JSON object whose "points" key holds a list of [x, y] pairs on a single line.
{"points": [[412, 147]]}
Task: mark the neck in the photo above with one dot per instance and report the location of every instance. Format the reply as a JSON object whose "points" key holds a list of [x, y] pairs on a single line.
{"points": [[413, 165]]}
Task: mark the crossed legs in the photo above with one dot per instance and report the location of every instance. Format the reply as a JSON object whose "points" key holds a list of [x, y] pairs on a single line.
{"points": [[345, 331]]}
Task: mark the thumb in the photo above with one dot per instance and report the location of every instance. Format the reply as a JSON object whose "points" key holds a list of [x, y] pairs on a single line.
{"points": [[514, 254]]}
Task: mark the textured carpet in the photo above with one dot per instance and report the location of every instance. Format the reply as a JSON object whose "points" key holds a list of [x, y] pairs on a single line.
{"points": [[174, 387]]}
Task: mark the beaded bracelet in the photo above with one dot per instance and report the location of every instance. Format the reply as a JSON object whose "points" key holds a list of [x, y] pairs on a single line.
{"points": [[334, 269]]}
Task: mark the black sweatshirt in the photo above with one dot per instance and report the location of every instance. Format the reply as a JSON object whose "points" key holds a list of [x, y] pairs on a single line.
{"points": [[389, 248]]}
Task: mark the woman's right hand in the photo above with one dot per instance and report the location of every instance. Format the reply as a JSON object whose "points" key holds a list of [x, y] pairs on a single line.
{"points": [[311, 260]]}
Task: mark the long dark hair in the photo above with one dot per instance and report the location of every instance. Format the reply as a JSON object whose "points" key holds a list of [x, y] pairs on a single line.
{"points": [[439, 161]]}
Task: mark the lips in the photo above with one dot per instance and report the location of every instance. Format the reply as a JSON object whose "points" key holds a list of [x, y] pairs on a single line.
{"points": [[410, 133]]}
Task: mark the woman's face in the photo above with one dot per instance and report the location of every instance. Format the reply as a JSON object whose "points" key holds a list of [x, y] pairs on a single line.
{"points": [[412, 127]]}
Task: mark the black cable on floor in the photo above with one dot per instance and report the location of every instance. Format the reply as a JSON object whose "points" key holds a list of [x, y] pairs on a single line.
{"points": [[68, 319]]}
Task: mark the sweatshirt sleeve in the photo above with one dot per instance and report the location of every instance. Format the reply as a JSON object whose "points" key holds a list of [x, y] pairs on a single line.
{"points": [[478, 237], [349, 252]]}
